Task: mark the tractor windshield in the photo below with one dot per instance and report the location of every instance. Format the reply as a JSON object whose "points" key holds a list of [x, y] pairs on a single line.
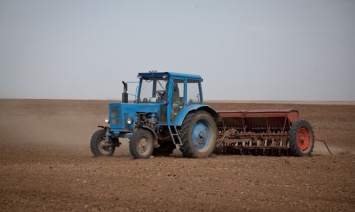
{"points": [[153, 90]]}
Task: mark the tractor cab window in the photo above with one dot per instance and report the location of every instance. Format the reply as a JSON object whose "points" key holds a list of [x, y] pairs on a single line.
{"points": [[153, 90], [193, 92]]}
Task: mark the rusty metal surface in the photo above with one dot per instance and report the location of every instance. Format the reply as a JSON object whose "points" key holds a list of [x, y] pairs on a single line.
{"points": [[259, 113], [254, 130]]}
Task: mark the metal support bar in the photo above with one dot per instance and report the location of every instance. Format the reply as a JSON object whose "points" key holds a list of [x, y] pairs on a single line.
{"points": [[325, 145]]}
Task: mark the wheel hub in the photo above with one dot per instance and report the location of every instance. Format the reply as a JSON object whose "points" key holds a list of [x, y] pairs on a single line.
{"points": [[104, 144], [142, 145], [303, 139], [200, 135]]}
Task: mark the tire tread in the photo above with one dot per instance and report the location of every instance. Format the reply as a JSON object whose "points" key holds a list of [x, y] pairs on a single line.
{"points": [[292, 138], [94, 146]]}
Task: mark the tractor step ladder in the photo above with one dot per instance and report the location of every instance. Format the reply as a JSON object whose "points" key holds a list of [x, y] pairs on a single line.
{"points": [[174, 133]]}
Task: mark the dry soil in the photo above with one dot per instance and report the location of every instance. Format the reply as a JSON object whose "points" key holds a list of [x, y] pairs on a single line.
{"points": [[46, 164]]}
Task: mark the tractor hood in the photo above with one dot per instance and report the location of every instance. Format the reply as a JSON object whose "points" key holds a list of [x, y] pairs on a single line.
{"points": [[123, 116]]}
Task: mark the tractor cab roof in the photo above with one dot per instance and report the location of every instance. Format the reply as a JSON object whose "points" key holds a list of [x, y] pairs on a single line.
{"points": [[152, 74]]}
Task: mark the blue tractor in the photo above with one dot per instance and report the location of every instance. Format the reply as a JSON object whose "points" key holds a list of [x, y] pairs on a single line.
{"points": [[168, 110]]}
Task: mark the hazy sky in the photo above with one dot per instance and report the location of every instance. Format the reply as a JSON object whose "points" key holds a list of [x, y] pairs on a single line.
{"points": [[244, 50]]}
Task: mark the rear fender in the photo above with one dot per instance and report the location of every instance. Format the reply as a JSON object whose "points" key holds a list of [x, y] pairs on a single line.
{"points": [[191, 108]]}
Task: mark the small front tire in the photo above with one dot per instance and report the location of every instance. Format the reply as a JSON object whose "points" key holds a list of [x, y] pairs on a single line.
{"points": [[141, 144], [98, 145]]}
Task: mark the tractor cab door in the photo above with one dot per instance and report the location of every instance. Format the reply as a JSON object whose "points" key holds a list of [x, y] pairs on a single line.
{"points": [[182, 93], [177, 98]]}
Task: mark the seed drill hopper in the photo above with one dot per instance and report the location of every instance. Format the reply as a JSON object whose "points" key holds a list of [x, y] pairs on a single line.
{"points": [[264, 132]]}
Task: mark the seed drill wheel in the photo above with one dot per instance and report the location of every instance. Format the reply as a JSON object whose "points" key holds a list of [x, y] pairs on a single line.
{"points": [[99, 146], [198, 135], [141, 144], [301, 138]]}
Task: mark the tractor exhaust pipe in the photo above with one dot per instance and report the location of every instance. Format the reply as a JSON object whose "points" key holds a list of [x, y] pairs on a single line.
{"points": [[124, 93]]}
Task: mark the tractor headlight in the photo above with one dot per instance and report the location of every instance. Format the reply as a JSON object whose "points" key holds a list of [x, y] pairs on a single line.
{"points": [[129, 121], [107, 119]]}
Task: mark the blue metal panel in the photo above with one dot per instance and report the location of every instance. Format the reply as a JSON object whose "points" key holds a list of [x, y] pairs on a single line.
{"points": [[181, 116], [183, 75]]}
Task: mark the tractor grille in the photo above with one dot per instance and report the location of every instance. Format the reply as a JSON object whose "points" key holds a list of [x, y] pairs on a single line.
{"points": [[115, 115]]}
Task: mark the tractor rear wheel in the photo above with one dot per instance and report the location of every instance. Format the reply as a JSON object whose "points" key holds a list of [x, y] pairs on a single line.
{"points": [[198, 135], [165, 149], [141, 144], [98, 145], [301, 138]]}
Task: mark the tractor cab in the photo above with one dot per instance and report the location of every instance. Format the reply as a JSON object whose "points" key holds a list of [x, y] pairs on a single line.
{"points": [[171, 91], [161, 99]]}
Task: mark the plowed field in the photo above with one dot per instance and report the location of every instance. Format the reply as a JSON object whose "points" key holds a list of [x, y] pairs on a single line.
{"points": [[46, 164]]}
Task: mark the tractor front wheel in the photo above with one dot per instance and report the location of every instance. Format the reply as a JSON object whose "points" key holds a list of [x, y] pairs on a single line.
{"points": [[301, 138], [198, 135], [99, 146], [141, 144]]}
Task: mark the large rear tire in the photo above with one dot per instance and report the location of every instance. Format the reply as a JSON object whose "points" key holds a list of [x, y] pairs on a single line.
{"points": [[98, 145], [198, 135], [141, 144], [301, 138]]}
